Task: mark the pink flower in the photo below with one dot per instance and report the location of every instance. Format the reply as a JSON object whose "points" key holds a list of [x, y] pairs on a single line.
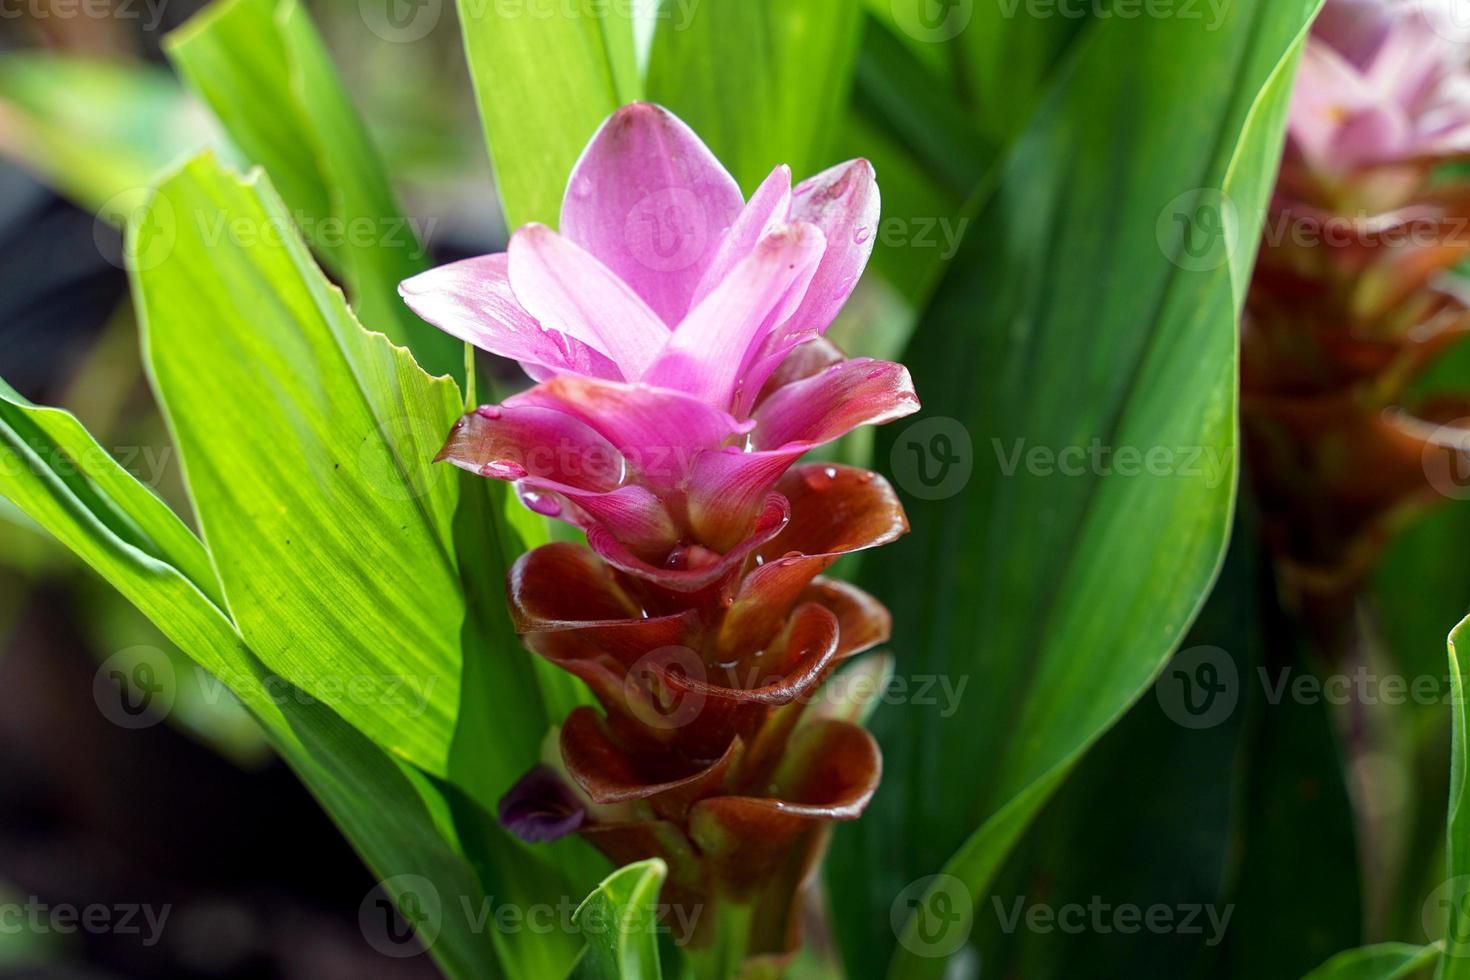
{"points": [[1379, 84], [675, 331]]}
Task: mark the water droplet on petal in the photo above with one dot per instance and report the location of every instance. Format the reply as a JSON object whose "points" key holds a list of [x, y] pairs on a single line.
{"points": [[831, 472], [489, 412], [543, 504], [861, 236], [503, 469], [877, 373]]}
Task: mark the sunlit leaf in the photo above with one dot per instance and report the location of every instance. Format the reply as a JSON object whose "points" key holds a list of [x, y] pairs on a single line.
{"points": [[262, 68], [544, 84], [306, 443], [761, 81]]}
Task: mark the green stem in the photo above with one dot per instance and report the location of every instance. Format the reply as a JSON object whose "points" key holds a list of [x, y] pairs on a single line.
{"points": [[722, 959]]}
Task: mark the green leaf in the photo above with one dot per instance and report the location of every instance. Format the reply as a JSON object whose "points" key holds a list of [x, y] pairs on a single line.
{"points": [[306, 444], [1074, 317], [897, 90], [1146, 819], [763, 82], [620, 921], [544, 84], [1452, 898], [93, 128], [1386, 961], [262, 68], [61, 478], [1008, 56]]}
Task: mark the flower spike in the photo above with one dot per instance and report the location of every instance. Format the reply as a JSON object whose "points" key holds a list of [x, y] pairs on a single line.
{"points": [[675, 332]]}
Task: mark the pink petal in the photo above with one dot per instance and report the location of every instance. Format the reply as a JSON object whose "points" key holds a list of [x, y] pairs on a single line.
{"points": [[845, 204], [768, 209], [562, 468], [726, 487], [1371, 136], [804, 361], [827, 405], [708, 352], [514, 443], [1411, 59], [652, 203], [1329, 92], [472, 300], [1354, 28], [570, 291], [631, 513], [656, 430]]}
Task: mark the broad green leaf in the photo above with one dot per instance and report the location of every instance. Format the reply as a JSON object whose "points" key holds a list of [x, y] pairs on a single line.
{"points": [[544, 84], [1080, 313], [95, 129], [1008, 51], [306, 444], [896, 90], [928, 155], [1386, 961], [1147, 820], [64, 480], [620, 921], [763, 82], [262, 68]]}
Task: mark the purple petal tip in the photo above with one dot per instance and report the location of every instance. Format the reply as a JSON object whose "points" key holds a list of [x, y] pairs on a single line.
{"points": [[541, 808]]}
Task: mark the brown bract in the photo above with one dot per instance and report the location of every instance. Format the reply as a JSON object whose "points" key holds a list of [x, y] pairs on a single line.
{"points": [[706, 752]]}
